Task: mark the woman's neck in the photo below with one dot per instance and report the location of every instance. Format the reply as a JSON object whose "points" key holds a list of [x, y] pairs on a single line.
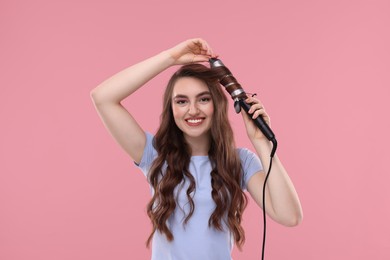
{"points": [[199, 145]]}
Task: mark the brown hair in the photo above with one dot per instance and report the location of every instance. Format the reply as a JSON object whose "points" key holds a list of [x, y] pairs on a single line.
{"points": [[174, 154]]}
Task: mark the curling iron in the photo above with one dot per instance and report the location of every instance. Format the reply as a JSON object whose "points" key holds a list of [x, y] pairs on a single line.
{"points": [[238, 94]]}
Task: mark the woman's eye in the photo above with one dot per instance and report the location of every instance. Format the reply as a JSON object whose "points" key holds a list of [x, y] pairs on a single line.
{"points": [[181, 101], [205, 99]]}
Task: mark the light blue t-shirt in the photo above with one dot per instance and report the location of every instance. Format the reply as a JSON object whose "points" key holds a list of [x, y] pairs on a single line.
{"points": [[196, 240]]}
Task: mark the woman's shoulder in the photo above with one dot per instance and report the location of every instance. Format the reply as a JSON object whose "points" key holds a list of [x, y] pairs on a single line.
{"points": [[248, 157], [244, 152]]}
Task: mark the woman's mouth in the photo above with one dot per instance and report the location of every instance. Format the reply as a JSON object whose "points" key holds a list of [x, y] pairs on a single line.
{"points": [[194, 121]]}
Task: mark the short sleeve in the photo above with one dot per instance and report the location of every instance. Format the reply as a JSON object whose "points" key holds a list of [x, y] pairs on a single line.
{"points": [[250, 164], [148, 155]]}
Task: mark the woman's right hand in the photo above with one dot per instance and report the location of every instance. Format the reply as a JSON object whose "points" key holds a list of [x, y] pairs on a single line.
{"points": [[192, 50]]}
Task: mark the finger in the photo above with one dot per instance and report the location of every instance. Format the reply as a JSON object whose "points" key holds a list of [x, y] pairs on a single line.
{"points": [[205, 48], [209, 50], [194, 58], [255, 107], [251, 94], [200, 46], [258, 112], [251, 99], [263, 114]]}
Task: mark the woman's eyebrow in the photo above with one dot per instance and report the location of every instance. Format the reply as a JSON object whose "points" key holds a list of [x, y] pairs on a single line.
{"points": [[198, 95], [204, 93]]}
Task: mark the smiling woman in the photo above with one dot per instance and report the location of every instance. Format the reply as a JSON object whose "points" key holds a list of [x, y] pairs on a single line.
{"points": [[193, 109], [197, 175]]}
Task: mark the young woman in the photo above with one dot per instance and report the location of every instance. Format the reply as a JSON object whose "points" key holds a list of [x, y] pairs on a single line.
{"points": [[197, 175]]}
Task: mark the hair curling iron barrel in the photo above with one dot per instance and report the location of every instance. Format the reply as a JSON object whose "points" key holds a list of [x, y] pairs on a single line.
{"points": [[238, 94]]}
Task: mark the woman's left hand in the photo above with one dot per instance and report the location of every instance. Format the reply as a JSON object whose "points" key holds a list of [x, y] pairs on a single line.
{"points": [[256, 110], [190, 51]]}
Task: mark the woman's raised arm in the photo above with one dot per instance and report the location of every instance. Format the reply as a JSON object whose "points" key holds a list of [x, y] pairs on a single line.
{"points": [[108, 95]]}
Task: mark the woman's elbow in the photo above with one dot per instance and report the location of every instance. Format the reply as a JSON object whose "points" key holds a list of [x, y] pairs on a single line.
{"points": [[94, 95], [290, 220], [97, 98], [293, 221]]}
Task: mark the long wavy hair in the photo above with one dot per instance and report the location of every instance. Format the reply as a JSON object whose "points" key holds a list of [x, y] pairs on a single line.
{"points": [[171, 165]]}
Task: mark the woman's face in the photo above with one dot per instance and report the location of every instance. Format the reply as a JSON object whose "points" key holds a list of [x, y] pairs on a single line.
{"points": [[192, 107]]}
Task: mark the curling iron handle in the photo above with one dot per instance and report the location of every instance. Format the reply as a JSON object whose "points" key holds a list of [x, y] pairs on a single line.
{"points": [[259, 121]]}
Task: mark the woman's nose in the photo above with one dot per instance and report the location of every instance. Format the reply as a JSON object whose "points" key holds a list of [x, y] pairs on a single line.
{"points": [[193, 109]]}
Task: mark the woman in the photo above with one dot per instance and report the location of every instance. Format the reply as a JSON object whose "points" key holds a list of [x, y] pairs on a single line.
{"points": [[196, 173]]}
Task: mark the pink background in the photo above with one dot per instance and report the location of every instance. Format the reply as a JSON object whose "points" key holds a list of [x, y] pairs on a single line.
{"points": [[67, 190]]}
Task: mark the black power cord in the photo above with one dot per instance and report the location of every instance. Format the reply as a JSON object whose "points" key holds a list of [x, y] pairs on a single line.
{"points": [[275, 145]]}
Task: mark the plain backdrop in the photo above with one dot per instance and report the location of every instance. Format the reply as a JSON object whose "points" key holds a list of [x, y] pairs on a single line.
{"points": [[68, 191]]}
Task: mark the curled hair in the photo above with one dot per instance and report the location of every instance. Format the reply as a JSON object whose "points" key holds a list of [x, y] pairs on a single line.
{"points": [[174, 154]]}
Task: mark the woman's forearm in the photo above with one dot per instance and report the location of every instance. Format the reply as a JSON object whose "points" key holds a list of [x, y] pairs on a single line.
{"points": [[282, 194], [127, 81]]}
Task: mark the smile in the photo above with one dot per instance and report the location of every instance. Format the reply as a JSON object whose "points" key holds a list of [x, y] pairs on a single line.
{"points": [[194, 121]]}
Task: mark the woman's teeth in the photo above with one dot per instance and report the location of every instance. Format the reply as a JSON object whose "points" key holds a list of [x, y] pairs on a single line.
{"points": [[194, 121]]}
